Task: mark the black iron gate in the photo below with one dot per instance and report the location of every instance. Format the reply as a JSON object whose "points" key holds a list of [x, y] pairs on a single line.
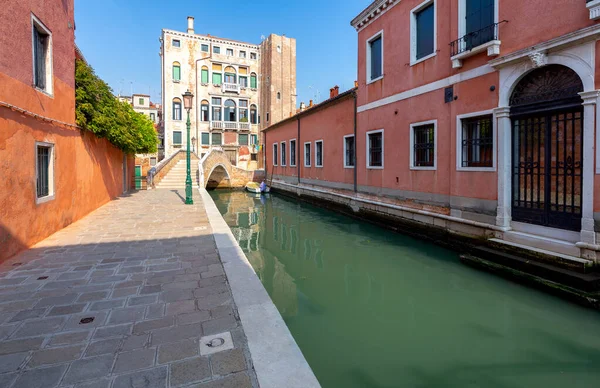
{"points": [[547, 168]]}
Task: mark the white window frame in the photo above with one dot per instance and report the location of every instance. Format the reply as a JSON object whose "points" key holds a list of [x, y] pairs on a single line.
{"points": [[51, 192], [49, 90], [413, 32], [207, 45], [309, 164], [282, 162], [368, 161], [368, 64], [459, 138], [344, 147], [173, 40], [240, 54], [255, 56], [217, 48], [322, 153], [275, 157], [232, 52], [295, 153], [412, 145], [492, 47]]}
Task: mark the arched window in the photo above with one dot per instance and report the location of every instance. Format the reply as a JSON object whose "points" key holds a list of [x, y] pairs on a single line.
{"points": [[230, 75], [253, 114], [243, 73], [278, 95], [176, 109], [204, 76], [230, 110], [253, 82], [243, 111], [204, 110], [176, 71]]}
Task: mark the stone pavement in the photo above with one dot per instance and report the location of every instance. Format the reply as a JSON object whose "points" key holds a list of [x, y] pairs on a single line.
{"points": [[127, 297]]}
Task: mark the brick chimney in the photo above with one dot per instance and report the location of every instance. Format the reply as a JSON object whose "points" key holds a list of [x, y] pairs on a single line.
{"points": [[355, 84], [334, 91], [190, 29], [311, 104]]}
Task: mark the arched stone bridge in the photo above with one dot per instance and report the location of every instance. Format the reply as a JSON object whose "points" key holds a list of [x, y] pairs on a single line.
{"points": [[216, 171]]}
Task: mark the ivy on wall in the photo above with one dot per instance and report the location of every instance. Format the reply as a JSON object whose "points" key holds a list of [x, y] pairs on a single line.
{"points": [[98, 111]]}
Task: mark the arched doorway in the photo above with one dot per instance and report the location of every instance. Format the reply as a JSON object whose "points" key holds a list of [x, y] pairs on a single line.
{"points": [[547, 148]]}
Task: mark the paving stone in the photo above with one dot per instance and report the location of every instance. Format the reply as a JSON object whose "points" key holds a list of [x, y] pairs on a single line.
{"points": [[104, 383], [7, 330], [151, 289], [66, 310], [126, 315], [214, 301], [238, 380], [183, 306], [69, 338], [74, 322], [42, 326], [189, 371], [150, 378], [72, 275], [212, 281], [107, 305], [221, 312], [132, 269], [55, 356], [135, 342], [176, 295], [89, 369], [83, 268], [180, 285], [6, 379], [211, 290], [138, 359], [64, 284], [93, 296], [12, 362], [113, 331], [102, 273], [17, 306], [146, 326], [177, 351], [229, 361], [166, 335], [109, 346], [142, 300], [156, 310], [195, 317], [21, 345], [41, 377], [219, 325], [108, 279], [123, 292], [128, 284], [56, 300]]}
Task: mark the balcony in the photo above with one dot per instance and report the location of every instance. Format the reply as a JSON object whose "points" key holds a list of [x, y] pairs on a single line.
{"points": [[594, 7], [230, 88], [225, 125], [475, 42]]}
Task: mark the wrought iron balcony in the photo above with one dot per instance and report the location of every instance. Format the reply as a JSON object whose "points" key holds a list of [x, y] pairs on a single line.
{"points": [[475, 39], [230, 88]]}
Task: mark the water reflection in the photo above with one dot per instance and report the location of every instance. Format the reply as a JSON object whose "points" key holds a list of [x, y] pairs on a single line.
{"points": [[370, 308]]}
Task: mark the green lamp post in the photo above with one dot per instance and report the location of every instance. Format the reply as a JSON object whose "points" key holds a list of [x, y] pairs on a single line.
{"points": [[188, 99]]}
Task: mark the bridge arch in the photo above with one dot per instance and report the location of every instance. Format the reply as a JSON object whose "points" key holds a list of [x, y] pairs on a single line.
{"points": [[216, 171]]}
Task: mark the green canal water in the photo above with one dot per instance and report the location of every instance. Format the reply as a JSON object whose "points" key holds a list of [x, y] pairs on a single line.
{"points": [[372, 308]]}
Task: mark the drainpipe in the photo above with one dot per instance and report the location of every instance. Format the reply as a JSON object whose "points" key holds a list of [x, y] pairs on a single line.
{"points": [[297, 153], [355, 144]]}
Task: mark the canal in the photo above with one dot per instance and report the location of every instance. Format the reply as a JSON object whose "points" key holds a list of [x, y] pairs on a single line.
{"points": [[372, 308]]}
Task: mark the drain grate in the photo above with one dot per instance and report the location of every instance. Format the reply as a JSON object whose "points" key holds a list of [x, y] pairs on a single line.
{"points": [[215, 343], [42, 278], [86, 320]]}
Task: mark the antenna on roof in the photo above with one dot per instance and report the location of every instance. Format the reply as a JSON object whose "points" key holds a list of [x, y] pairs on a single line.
{"points": [[262, 37]]}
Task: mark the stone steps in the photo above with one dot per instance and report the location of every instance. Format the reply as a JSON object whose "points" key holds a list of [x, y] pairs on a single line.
{"points": [[175, 179]]}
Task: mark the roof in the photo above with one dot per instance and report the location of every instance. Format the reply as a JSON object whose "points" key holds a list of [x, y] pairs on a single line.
{"points": [[372, 12], [314, 108], [79, 55], [143, 95]]}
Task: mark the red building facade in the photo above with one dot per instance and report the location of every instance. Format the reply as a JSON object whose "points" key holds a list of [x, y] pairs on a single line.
{"points": [[479, 111]]}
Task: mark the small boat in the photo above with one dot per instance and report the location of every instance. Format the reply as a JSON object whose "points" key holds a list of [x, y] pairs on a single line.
{"points": [[254, 187]]}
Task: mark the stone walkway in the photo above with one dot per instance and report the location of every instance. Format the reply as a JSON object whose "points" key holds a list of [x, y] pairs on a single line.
{"points": [[131, 296]]}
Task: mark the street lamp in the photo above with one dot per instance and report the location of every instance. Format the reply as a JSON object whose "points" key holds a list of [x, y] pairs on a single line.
{"points": [[194, 144], [188, 99]]}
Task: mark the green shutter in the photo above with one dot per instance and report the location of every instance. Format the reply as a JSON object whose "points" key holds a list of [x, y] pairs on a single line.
{"points": [[253, 82], [243, 139], [176, 73], [176, 137], [206, 138], [217, 78], [254, 139], [204, 76], [216, 139]]}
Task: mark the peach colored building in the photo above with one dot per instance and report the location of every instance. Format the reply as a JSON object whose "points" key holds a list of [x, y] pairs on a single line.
{"points": [[52, 173], [475, 116]]}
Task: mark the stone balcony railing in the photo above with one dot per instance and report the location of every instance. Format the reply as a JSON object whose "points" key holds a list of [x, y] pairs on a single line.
{"points": [[594, 8], [230, 125]]}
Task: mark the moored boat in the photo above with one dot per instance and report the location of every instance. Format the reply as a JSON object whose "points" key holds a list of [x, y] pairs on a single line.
{"points": [[254, 187]]}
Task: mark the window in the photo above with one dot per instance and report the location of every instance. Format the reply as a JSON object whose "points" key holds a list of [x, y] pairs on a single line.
{"points": [[375, 149], [216, 50], [217, 139], [141, 101], [44, 171], [252, 55], [242, 54], [205, 138], [243, 82], [204, 110], [176, 72], [253, 82], [243, 139], [204, 48], [152, 117], [229, 52], [478, 22], [42, 56], [283, 153], [349, 151], [267, 117], [307, 155], [253, 114], [278, 95], [243, 111], [422, 31], [476, 141], [230, 110], [176, 43], [230, 75], [216, 109], [176, 109], [253, 139], [279, 48], [254, 157], [319, 153], [375, 57], [293, 153], [152, 161], [204, 75], [275, 156], [176, 137], [422, 138], [217, 75]]}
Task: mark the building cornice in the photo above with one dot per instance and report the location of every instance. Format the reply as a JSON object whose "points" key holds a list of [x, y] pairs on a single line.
{"points": [[371, 13], [210, 39]]}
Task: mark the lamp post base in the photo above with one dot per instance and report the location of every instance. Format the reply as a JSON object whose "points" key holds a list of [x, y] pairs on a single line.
{"points": [[188, 193]]}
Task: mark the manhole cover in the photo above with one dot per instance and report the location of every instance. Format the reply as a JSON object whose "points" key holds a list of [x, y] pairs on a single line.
{"points": [[215, 343]]}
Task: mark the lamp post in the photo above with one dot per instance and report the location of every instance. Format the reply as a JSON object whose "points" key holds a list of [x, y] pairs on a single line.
{"points": [[194, 144], [188, 98]]}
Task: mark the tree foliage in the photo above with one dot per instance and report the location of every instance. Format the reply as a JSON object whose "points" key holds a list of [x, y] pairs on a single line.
{"points": [[98, 111]]}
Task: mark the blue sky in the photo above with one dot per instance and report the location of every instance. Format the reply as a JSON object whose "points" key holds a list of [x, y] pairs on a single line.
{"points": [[119, 38]]}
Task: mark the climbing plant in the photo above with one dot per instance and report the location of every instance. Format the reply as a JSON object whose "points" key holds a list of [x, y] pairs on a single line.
{"points": [[98, 111]]}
